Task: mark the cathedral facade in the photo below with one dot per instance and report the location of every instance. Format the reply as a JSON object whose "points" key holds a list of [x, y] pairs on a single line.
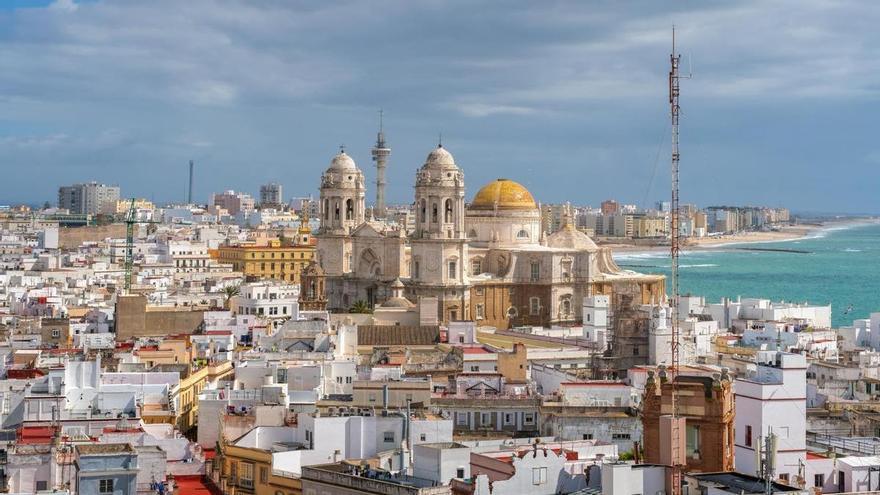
{"points": [[489, 260]]}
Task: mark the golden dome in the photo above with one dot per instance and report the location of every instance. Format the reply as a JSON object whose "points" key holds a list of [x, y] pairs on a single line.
{"points": [[503, 193]]}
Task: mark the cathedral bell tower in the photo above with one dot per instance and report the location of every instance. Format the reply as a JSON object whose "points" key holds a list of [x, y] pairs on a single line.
{"points": [[439, 242], [342, 195], [341, 210]]}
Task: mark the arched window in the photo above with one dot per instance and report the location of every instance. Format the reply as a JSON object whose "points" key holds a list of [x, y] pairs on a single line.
{"points": [[336, 211], [472, 234], [423, 208], [522, 234], [326, 209], [511, 312], [566, 306], [434, 213], [349, 209], [447, 217]]}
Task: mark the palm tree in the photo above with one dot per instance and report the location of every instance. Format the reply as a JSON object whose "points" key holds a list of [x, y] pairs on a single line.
{"points": [[229, 292], [360, 306]]}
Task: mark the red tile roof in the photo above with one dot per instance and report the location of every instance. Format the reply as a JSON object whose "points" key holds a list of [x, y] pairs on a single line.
{"points": [[194, 485]]}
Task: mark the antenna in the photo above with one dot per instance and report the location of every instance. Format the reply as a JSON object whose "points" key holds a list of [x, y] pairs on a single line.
{"points": [[381, 151], [675, 238]]}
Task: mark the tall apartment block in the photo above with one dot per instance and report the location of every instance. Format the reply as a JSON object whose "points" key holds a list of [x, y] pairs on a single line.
{"points": [[87, 199], [271, 195]]}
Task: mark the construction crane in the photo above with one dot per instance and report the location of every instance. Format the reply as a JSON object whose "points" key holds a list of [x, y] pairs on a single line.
{"points": [[130, 222]]}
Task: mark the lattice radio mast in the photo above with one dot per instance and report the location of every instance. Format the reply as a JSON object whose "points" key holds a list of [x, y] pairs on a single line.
{"points": [[674, 79]]}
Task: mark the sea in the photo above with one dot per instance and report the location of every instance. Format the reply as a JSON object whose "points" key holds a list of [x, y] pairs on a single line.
{"points": [[840, 266]]}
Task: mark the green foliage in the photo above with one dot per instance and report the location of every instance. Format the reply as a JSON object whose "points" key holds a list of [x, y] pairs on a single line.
{"points": [[360, 307]]}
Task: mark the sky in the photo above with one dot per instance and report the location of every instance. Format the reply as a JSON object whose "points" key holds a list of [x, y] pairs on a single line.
{"points": [[567, 98]]}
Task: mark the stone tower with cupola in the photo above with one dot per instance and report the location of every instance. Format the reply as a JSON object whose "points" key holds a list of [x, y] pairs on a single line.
{"points": [[342, 210], [439, 243]]}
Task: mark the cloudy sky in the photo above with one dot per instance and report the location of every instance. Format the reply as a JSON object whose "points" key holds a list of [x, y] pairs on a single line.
{"points": [[568, 98]]}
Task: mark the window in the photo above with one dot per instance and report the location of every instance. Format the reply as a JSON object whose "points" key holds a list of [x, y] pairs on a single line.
{"points": [[434, 213], [423, 437], [819, 480], [535, 306], [336, 211], [422, 211], [587, 436], [461, 418], [522, 234], [349, 209], [42, 485], [56, 333], [620, 436], [539, 476], [529, 418], [459, 473], [264, 474], [326, 212], [415, 272], [486, 419], [448, 211], [105, 486], [692, 442], [508, 419], [535, 271], [247, 474], [388, 437], [635, 350], [372, 397], [748, 435], [453, 269], [783, 477], [479, 313], [566, 306], [511, 312], [476, 267]]}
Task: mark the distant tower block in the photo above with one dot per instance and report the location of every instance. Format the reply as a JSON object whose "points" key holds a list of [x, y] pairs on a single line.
{"points": [[380, 155]]}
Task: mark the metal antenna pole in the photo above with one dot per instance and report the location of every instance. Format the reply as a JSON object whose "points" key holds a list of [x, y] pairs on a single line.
{"points": [[675, 238]]}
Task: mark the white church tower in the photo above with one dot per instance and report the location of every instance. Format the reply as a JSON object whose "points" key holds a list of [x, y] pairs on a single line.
{"points": [[439, 242], [342, 210]]}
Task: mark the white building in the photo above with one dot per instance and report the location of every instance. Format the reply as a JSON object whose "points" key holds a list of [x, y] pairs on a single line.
{"points": [[269, 299], [772, 399]]}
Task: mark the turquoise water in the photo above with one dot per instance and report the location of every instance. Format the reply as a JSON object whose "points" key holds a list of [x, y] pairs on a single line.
{"points": [[842, 268]]}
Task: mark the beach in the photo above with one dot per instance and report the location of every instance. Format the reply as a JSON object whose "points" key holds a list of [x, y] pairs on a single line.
{"points": [[787, 233]]}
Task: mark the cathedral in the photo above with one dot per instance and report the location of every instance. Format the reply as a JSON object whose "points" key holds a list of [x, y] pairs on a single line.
{"points": [[489, 260]]}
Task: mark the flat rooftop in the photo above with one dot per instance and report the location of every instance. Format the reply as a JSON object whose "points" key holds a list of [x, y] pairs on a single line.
{"points": [[104, 449], [740, 483]]}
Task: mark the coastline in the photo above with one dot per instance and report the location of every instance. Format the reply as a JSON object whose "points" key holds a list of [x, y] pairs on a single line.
{"points": [[785, 234]]}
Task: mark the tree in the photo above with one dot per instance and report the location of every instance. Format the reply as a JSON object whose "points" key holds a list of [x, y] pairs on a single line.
{"points": [[360, 306], [229, 292]]}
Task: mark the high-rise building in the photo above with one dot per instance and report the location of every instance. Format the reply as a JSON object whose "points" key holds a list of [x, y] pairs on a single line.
{"points": [[233, 202], [609, 207], [271, 195], [88, 198]]}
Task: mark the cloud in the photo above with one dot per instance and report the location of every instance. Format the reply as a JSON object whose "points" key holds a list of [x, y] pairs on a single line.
{"points": [[273, 87], [64, 5]]}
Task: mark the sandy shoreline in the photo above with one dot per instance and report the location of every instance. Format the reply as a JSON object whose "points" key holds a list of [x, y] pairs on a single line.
{"points": [[789, 233]]}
